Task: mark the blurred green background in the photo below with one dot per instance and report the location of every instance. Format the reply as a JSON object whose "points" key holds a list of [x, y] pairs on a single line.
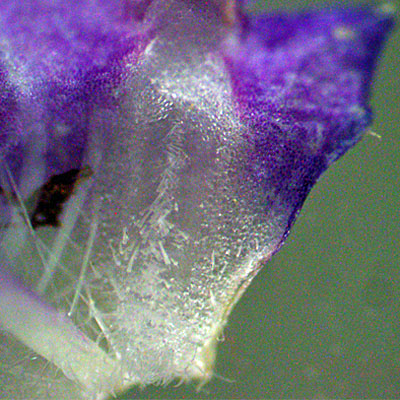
{"points": [[321, 320]]}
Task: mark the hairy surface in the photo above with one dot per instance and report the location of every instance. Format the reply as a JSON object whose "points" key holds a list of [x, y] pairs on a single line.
{"points": [[202, 133]]}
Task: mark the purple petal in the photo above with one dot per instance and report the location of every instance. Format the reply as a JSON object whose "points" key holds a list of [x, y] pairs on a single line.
{"points": [[59, 61], [302, 82]]}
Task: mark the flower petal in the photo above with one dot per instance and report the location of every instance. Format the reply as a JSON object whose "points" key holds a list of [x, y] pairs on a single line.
{"points": [[302, 83], [59, 61]]}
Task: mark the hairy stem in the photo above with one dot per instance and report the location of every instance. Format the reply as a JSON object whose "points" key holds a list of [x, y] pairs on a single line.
{"points": [[53, 336]]}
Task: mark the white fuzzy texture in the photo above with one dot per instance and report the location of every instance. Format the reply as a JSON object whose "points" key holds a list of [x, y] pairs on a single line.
{"points": [[156, 247]]}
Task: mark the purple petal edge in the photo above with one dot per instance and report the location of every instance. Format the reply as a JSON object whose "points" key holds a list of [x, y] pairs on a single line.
{"points": [[302, 83]]}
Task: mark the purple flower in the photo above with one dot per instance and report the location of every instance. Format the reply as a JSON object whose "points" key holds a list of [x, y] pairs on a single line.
{"points": [[153, 156]]}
